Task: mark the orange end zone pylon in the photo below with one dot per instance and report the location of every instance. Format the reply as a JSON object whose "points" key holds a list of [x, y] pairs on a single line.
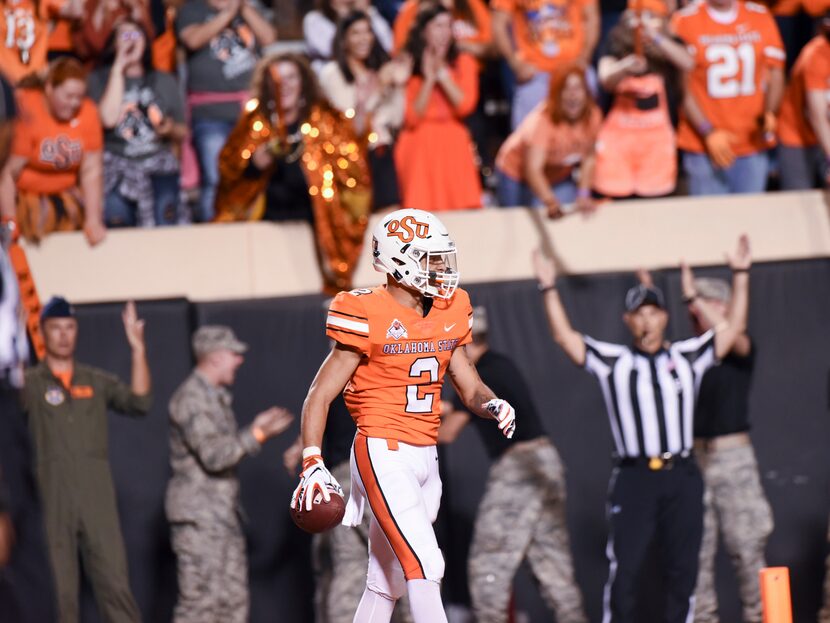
{"points": [[775, 595]]}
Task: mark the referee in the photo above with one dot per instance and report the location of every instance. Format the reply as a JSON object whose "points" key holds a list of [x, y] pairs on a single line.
{"points": [[650, 388]]}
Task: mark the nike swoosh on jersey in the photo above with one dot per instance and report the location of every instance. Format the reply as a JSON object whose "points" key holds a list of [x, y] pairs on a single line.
{"points": [[449, 328]]}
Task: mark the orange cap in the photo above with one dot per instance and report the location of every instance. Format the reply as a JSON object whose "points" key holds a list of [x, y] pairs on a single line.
{"points": [[656, 7]]}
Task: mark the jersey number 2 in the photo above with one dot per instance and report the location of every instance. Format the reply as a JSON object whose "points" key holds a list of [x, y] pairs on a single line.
{"points": [[731, 70], [414, 402]]}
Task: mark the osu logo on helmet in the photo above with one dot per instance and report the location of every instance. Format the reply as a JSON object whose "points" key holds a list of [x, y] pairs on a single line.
{"points": [[407, 229]]}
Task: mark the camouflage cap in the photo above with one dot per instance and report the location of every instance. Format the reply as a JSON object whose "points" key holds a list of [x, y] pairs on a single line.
{"points": [[216, 337], [713, 289]]}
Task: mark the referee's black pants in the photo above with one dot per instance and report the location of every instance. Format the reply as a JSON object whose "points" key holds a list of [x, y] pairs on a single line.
{"points": [[643, 505], [26, 587]]}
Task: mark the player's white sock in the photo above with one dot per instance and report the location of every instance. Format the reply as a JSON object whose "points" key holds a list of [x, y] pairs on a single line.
{"points": [[374, 608], [425, 601]]}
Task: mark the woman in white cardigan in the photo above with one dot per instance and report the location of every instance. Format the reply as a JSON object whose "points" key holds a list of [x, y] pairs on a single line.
{"points": [[320, 26], [367, 86]]}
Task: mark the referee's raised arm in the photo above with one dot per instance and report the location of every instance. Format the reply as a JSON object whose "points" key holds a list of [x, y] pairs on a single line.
{"points": [[564, 334]]}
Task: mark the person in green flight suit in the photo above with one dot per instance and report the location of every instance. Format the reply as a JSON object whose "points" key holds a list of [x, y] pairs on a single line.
{"points": [[67, 405]]}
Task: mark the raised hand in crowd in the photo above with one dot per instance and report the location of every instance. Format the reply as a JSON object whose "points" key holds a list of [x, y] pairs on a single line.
{"points": [[273, 421], [133, 327], [741, 259], [397, 71]]}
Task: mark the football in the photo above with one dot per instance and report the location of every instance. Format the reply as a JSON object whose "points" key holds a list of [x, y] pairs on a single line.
{"points": [[322, 516]]}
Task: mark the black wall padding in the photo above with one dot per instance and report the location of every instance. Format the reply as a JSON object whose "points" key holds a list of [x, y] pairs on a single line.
{"points": [[789, 320]]}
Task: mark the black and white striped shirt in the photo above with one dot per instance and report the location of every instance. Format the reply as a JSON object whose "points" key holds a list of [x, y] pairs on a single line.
{"points": [[651, 398]]}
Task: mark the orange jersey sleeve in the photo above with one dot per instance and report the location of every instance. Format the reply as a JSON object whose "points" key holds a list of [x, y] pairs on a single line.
{"points": [[347, 322], [395, 392], [54, 149], [732, 61]]}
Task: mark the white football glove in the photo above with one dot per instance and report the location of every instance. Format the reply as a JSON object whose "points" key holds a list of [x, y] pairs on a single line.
{"points": [[504, 413], [315, 476]]}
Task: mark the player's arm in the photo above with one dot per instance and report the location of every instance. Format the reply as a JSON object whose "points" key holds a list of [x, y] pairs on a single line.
{"points": [[564, 334], [331, 378], [476, 396]]}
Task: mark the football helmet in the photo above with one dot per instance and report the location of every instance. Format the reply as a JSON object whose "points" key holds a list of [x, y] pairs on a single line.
{"points": [[416, 249]]}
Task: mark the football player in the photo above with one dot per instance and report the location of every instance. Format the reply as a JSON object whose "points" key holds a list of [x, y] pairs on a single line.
{"points": [[393, 344]]}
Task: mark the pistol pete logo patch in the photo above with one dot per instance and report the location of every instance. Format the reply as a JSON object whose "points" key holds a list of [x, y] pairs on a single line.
{"points": [[54, 396], [396, 330]]}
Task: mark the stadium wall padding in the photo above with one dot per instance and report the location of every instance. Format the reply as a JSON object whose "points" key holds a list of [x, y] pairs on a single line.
{"points": [[789, 319]]}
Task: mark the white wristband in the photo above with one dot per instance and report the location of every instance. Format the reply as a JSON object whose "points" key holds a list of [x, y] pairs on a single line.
{"points": [[311, 451]]}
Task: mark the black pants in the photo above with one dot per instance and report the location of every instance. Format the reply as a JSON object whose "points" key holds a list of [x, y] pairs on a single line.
{"points": [[26, 587], [643, 505]]}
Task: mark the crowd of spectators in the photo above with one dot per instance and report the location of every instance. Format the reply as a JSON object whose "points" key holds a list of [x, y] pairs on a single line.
{"points": [[125, 109]]}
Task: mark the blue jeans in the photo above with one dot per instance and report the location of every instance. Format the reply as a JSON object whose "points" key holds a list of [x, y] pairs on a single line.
{"points": [[209, 138], [121, 212], [747, 174], [511, 193]]}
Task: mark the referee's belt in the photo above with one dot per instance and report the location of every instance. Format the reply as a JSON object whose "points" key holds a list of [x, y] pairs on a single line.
{"points": [[664, 461]]}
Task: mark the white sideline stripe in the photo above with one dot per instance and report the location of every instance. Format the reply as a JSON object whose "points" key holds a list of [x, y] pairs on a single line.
{"points": [[470, 323], [353, 325]]}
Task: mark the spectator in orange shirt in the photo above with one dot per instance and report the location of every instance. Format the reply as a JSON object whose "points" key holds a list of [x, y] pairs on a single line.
{"points": [[52, 180], [471, 25], [546, 34], [728, 118], [434, 154], [549, 159], [636, 147], [804, 125], [24, 31]]}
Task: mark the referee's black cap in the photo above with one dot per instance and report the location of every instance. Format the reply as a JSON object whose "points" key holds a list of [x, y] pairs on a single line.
{"points": [[641, 295]]}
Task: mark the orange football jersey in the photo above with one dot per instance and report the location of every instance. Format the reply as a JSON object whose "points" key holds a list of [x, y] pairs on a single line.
{"points": [[548, 33], [395, 393], [732, 57], [24, 39]]}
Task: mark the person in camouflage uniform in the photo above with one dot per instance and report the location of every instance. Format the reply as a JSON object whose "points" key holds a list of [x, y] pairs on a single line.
{"points": [[734, 500], [66, 403], [522, 513], [202, 501]]}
